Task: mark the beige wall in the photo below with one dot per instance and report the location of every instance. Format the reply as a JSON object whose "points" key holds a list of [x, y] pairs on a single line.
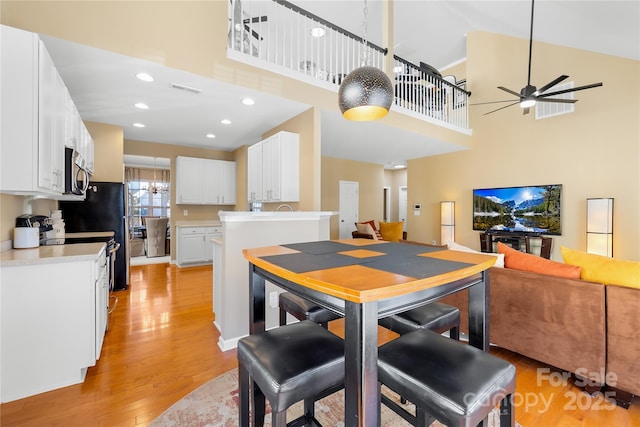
{"points": [[108, 157], [370, 179], [593, 152], [12, 206]]}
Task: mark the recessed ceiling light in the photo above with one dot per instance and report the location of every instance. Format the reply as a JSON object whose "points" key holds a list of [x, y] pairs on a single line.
{"points": [[138, 125], [248, 101], [142, 106], [210, 135], [144, 77], [317, 31], [399, 166], [225, 121]]}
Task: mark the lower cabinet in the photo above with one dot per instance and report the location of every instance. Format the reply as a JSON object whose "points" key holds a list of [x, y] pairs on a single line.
{"points": [[194, 244], [53, 320]]}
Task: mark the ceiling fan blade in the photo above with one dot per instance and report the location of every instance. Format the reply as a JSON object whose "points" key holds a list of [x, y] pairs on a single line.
{"points": [[573, 89], [509, 91], [493, 102], [552, 83], [255, 19], [501, 108], [525, 111], [562, 101]]}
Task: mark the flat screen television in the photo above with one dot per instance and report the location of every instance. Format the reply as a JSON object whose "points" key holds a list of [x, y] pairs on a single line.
{"points": [[534, 209]]}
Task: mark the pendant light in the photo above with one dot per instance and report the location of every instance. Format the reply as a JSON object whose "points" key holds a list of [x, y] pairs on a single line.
{"points": [[366, 93]]}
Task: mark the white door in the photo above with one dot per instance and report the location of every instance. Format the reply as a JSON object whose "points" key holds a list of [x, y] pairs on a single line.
{"points": [[348, 208], [402, 206]]}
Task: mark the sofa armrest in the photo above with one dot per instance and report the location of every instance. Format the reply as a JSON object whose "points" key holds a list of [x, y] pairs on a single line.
{"points": [[623, 338]]}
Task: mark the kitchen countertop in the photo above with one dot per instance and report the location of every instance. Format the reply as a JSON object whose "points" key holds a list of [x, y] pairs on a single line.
{"points": [[89, 234], [200, 223], [51, 254]]}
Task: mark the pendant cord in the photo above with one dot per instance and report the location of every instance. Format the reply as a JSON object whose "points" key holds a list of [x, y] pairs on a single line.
{"points": [[530, 45], [365, 55]]}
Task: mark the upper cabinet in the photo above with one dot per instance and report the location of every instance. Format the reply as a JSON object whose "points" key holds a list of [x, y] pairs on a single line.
{"points": [[274, 169], [35, 115], [205, 181]]}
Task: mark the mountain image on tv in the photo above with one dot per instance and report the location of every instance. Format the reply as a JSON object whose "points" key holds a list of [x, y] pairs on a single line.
{"points": [[534, 209]]}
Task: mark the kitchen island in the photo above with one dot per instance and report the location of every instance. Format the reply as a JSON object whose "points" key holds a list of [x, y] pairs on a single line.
{"points": [[53, 316], [243, 230]]}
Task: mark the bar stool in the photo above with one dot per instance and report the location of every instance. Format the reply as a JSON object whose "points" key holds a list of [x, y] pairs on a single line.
{"points": [[303, 309], [435, 316], [301, 361], [455, 383]]}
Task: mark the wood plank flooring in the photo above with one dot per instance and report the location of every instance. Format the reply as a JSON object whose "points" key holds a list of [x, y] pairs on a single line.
{"points": [[162, 344]]}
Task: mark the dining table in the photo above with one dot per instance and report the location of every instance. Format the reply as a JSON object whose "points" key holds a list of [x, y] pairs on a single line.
{"points": [[364, 280]]}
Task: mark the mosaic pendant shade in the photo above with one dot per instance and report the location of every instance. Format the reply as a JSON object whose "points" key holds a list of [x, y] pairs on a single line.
{"points": [[365, 94]]}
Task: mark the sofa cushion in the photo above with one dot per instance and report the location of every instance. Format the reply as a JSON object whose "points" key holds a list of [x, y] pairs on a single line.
{"points": [[391, 231], [458, 247], [535, 264], [372, 223], [365, 228], [602, 269]]}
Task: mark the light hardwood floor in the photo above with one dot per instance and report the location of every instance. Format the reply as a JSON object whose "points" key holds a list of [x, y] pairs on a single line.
{"points": [[161, 345]]}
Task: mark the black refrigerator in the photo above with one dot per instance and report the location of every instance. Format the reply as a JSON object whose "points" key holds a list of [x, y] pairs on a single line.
{"points": [[104, 209]]}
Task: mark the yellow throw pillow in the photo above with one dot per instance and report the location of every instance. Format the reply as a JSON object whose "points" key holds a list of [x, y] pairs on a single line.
{"points": [[391, 231], [602, 269]]}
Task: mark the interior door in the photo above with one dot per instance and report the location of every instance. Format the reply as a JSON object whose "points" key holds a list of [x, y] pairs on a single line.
{"points": [[348, 208], [402, 206]]}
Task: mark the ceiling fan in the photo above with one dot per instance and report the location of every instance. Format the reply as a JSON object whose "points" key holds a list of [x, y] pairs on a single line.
{"points": [[529, 94]]}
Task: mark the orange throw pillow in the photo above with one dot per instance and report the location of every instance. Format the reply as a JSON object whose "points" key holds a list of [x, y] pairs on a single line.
{"points": [[535, 264]]}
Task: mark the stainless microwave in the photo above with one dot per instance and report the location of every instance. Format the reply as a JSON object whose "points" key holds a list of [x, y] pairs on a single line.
{"points": [[76, 177]]}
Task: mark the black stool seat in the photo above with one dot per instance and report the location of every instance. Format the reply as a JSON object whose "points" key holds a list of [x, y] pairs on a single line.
{"points": [[303, 309], [456, 383], [436, 316], [288, 364]]}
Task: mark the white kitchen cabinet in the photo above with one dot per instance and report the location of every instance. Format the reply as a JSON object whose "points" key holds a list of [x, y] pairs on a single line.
{"points": [[274, 169], [53, 317], [32, 116], [188, 180], [254, 172], [194, 244], [205, 181]]}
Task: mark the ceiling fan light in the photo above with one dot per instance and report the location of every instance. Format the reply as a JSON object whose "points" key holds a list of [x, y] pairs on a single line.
{"points": [[527, 103], [365, 94]]}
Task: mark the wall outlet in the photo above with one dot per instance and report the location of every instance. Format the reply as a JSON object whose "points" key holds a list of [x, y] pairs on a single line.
{"points": [[185, 212], [273, 299]]}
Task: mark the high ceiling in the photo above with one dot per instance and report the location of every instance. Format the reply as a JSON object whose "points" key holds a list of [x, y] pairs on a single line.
{"points": [[425, 31]]}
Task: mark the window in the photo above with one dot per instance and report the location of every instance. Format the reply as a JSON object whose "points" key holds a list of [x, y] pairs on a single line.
{"points": [[149, 194]]}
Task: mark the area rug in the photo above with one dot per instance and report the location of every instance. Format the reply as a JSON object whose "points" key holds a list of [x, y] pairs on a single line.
{"points": [[216, 404]]}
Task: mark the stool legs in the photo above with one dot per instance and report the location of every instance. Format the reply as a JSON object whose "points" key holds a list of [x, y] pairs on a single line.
{"points": [[507, 415]]}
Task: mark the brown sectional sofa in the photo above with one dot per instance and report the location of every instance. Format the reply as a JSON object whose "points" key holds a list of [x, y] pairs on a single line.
{"points": [[586, 328]]}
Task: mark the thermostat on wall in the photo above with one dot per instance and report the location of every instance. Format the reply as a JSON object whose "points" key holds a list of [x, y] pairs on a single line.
{"points": [[417, 206], [416, 209]]}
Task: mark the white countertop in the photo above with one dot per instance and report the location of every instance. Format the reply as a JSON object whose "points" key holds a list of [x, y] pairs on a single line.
{"points": [[201, 223], [51, 254], [227, 216], [89, 234]]}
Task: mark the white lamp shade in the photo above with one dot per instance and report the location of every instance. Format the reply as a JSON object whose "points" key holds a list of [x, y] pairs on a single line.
{"points": [[447, 222], [600, 226], [447, 213]]}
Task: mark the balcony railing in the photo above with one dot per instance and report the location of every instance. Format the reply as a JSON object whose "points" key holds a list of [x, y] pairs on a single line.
{"points": [[277, 36]]}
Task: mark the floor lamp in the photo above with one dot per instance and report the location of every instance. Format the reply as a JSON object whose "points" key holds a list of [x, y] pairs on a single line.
{"points": [[447, 222], [600, 227]]}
